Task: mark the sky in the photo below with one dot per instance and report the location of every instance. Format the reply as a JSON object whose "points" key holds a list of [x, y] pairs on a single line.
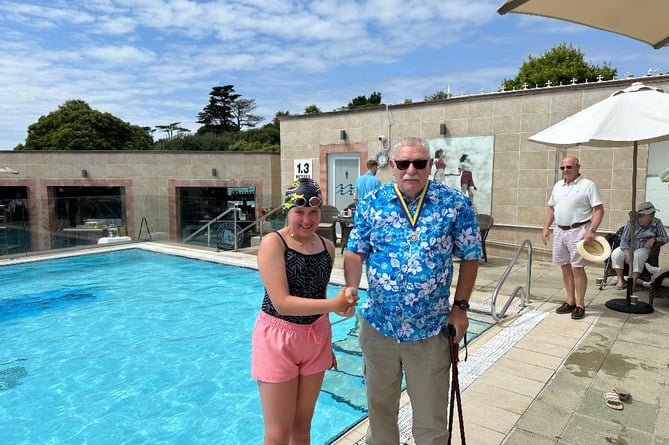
{"points": [[154, 62]]}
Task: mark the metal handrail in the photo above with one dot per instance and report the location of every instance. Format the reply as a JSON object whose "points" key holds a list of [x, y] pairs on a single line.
{"points": [[206, 225], [524, 291], [235, 211], [141, 225], [267, 215]]}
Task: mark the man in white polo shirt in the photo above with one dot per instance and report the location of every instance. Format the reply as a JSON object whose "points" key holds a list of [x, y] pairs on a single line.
{"points": [[576, 207]]}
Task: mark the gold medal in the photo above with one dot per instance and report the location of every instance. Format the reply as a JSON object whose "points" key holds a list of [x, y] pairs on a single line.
{"points": [[412, 217]]}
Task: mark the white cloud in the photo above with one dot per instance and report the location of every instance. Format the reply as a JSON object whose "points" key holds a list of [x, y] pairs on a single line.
{"points": [[152, 62]]}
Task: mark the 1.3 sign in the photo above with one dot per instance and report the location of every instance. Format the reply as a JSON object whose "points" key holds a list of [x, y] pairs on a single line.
{"points": [[303, 168]]}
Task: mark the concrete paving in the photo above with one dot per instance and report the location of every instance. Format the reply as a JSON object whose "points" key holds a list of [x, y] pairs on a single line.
{"points": [[548, 386]]}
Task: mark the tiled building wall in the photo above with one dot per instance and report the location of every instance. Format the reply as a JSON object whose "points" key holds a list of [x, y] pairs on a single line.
{"points": [[524, 172], [150, 180]]}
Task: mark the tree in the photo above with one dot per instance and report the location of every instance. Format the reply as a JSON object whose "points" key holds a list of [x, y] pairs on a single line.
{"points": [[243, 113], [562, 65], [173, 128], [76, 126], [365, 102], [438, 95], [218, 116], [311, 109], [277, 117]]}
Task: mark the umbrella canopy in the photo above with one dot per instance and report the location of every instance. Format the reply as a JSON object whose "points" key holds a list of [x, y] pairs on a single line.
{"points": [[637, 114], [643, 20]]}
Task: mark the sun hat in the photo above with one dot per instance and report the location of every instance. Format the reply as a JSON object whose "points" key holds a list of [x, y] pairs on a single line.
{"points": [[646, 208], [595, 251]]}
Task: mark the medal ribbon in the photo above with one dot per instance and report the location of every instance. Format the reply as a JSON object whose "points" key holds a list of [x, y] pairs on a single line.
{"points": [[413, 219]]}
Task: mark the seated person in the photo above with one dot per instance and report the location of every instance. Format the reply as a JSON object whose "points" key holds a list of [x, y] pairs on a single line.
{"points": [[649, 231]]}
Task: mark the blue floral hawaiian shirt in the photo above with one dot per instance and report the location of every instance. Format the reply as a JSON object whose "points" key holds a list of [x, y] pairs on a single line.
{"points": [[409, 280]]}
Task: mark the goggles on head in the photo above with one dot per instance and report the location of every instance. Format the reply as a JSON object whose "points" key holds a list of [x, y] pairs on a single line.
{"points": [[303, 193], [301, 201]]}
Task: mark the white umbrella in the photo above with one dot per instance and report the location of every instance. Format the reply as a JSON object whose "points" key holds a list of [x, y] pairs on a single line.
{"points": [[637, 114], [644, 20], [11, 171]]}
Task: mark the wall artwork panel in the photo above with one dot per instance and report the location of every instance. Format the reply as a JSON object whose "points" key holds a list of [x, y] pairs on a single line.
{"points": [[480, 151]]}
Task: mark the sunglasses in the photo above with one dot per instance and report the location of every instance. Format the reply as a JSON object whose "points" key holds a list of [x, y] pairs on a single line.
{"points": [[568, 167], [314, 201], [419, 164]]}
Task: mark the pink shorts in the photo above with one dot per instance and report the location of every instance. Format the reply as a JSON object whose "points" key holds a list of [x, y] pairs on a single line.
{"points": [[564, 246], [282, 350]]}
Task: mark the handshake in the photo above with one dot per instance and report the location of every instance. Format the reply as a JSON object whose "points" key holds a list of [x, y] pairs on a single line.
{"points": [[346, 301]]}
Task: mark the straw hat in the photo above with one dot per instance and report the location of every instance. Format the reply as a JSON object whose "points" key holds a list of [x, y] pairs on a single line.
{"points": [[595, 251]]}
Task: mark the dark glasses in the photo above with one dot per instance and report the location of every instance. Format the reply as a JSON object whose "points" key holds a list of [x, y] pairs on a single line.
{"points": [[314, 201], [568, 167], [418, 164]]}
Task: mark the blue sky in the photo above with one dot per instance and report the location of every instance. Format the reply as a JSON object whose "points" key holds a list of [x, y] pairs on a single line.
{"points": [[154, 62]]}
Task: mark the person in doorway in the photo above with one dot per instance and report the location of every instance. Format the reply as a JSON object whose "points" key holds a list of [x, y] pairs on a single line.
{"points": [[291, 344], [466, 178], [367, 182], [406, 233], [576, 207], [648, 232], [440, 165]]}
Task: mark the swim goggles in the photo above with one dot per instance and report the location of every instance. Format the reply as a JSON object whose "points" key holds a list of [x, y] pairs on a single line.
{"points": [[301, 201]]}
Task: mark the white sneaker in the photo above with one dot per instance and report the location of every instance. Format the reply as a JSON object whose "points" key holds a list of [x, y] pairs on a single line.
{"points": [[652, 269], [646, 284]]}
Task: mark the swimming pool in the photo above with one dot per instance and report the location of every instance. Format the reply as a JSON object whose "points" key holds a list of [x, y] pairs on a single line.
{"points": [[132, 346]]}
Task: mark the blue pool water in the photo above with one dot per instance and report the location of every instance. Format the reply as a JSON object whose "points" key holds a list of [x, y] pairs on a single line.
{"points": [[132, 346]]}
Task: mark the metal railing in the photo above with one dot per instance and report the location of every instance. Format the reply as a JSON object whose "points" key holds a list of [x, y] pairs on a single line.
{"points": [[268, 215], [523, 291], [236, 232]]}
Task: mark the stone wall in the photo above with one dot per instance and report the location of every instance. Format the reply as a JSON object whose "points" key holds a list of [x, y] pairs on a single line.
{"points": [[523, 172]]}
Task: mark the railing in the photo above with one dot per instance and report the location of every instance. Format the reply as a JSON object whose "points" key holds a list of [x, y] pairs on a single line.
{"points": [[268, 215], [523, 291], [207, 226], [141, 226]]}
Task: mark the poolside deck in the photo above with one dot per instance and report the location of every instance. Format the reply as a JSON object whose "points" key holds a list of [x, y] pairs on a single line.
{"points": [[547, 385], [540, 377]]}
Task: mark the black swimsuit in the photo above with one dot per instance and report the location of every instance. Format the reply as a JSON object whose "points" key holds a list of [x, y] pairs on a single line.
{"points": [[308, 277]]}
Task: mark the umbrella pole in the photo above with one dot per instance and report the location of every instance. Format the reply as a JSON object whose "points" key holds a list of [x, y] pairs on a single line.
{"points": [[624, 304]]}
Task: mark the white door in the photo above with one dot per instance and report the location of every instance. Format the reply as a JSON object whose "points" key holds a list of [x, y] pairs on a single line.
{"points": [[343, 170]]}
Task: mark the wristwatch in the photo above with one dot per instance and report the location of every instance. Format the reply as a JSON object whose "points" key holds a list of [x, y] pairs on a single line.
{"points": [[462, 304]]}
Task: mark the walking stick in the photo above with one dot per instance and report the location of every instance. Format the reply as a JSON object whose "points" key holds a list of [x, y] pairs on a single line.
{"points": [[455, 385]]}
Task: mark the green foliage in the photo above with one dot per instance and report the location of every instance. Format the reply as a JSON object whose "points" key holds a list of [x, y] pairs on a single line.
{"points": [[311, 109], [559, 66], [373, 100], [198, 142], [76, 126], [172, 129], [218, 116], [277, 118], [437, 95]]}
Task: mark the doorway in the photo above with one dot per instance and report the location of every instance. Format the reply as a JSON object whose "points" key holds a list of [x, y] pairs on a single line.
{"points": [[345, 168]]}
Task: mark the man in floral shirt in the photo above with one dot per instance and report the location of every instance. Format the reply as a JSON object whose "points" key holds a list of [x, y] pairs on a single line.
{"points": [[406, 232]]}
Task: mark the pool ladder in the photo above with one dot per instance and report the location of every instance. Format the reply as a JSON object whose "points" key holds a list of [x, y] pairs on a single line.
{"points": [[523, 291]]}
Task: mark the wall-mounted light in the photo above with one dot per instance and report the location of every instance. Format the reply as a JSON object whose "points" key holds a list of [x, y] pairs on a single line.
{"points": [[214, 172], [84, 173], [342, 135], [442, 129]]}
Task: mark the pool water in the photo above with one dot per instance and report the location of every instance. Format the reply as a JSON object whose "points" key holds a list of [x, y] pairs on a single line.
{"points": [[134, 346]]}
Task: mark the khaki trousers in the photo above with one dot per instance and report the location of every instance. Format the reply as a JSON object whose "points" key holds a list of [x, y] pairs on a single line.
{"points": [[426, 364]]}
